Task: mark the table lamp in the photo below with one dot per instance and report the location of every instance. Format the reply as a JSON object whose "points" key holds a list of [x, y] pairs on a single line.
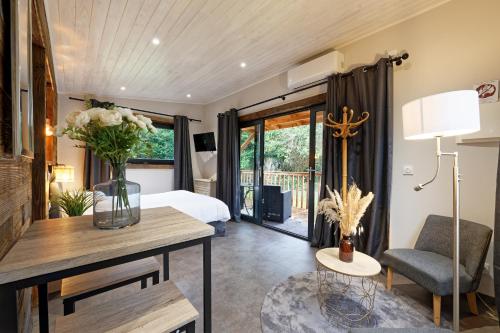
{"points": [[60, 174], [443, 115], [63, 173]]}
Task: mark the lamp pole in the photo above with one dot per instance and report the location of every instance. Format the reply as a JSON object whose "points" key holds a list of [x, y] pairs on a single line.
{"points": [[456, 243], [456, 227], [447, 114]]}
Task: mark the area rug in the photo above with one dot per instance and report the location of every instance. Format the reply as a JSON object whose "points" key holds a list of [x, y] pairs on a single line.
{"points": [[292, 307]]}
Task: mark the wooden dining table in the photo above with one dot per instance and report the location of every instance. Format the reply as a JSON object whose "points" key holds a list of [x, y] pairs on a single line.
{"points": [[58, 248]]}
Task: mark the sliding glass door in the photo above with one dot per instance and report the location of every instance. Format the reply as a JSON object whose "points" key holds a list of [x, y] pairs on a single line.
{"points": [[280, 161], [250, 166]]}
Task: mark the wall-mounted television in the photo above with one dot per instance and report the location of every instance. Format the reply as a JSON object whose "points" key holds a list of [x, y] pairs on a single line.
{"points": [[204, 142]]}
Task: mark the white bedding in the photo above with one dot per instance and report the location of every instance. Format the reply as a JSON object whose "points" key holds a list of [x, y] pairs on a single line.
{"points": [[199, 206]]}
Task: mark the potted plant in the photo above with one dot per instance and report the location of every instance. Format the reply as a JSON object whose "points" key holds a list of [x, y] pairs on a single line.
{"points": [[73, 203], [347, 213], [111, 134]]}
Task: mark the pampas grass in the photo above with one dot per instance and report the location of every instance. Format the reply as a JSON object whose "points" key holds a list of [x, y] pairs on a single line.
{"points": [[347, 214]]}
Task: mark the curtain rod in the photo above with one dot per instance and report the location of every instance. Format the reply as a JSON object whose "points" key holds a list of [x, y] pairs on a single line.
{"points": [[144, 111], [398, 60]]}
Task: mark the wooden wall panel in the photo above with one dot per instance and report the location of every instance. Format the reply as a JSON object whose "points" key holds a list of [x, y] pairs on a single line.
{"points": [[15, 218], [39, 166], [51, 114]]}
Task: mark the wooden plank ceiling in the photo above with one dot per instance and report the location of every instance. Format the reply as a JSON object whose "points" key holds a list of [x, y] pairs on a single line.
{"points": [[102, 45]]}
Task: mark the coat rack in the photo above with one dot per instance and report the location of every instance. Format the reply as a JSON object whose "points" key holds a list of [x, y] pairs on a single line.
{"points": [[346, 129]]}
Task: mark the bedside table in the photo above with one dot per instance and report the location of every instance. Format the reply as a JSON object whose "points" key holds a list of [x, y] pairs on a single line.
{"points": [[204, 186]]}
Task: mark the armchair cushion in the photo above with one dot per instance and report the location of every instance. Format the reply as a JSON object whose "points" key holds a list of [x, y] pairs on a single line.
{"points": [[437, 236], [432, 271]]}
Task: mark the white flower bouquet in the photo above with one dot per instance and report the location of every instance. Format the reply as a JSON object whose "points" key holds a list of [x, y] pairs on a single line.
{"points": [[111, 134]]}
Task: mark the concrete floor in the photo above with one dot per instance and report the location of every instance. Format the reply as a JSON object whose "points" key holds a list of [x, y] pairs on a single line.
{"points": [[245, 265], [296, 224]]}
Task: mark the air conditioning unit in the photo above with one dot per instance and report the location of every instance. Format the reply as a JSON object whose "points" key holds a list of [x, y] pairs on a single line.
{"points": [[315, 70]]}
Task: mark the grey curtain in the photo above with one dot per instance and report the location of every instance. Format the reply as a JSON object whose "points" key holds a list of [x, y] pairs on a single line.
{"points": [[370, 152], [496, 241], [183, 170], [95, 170], [228, 162]]}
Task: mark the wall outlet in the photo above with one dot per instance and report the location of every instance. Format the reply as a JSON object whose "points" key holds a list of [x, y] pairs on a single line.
{"points": [[408, 170]]}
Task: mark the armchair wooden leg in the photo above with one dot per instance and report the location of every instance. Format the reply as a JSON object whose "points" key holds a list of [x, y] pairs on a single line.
{"points": [[471, 300], [389, 278], [436, 304]]}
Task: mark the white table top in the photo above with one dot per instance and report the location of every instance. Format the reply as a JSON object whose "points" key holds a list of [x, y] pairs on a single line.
{"points": [[362, 265]]}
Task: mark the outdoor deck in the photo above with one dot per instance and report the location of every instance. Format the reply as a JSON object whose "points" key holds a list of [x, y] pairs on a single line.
{"points": [[296, 224]]}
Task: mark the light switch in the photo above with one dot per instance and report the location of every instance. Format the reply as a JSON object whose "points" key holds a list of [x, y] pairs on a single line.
{"points": [[408, 170]]}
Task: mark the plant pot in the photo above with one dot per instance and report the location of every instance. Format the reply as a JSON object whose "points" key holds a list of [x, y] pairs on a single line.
{"points": [[117, 202], [346, 249]]}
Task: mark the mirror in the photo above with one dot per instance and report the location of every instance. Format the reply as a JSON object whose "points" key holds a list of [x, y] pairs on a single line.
{"points": [[22, 72]]}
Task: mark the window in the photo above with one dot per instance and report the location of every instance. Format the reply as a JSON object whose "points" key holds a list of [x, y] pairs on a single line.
{"points": [[158, 148]]}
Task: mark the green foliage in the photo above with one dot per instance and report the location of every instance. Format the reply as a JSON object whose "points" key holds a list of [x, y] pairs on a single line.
{"points": [[156, 146], [74, 203], [247, 154], [112, 143], [285, 149]]}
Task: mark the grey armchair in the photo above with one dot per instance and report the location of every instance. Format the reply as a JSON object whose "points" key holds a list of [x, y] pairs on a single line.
{"points": [[429, 264]]}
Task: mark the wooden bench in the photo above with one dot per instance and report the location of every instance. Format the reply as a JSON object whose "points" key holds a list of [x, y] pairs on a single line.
{"points": [[158, 309], [86, 285]]}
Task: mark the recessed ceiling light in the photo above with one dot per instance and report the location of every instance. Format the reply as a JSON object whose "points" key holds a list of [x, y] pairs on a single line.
{"points": [[243, 65], [188, 95], [155, 41], [122, 88]]}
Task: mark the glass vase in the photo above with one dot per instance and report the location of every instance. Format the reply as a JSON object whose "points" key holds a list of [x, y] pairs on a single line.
{"points": [[117, 202], [346, 248]]}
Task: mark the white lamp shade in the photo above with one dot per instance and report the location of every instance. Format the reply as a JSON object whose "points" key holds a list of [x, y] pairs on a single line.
{"points": [[447, 114], [63, 173]]}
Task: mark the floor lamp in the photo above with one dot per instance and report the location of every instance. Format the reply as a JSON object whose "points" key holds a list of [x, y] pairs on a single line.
{"points": [[442, 115]]}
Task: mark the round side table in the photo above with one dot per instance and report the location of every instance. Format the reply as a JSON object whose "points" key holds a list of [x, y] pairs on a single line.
{"points": [[342, 301]]}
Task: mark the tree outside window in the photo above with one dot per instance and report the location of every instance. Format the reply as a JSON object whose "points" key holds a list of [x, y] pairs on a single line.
{"points": [[158, 148]]}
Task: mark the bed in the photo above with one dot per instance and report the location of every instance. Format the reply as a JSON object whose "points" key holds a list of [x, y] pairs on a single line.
{"points": [[201, 207]]}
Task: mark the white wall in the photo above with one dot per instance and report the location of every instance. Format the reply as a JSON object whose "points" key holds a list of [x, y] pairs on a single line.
{"points": [[451, 47], [261, 91], [151, 180]]}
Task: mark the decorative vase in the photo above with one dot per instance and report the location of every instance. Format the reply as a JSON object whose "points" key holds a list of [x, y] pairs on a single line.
{"points": [[346, 248], [117, 202]]}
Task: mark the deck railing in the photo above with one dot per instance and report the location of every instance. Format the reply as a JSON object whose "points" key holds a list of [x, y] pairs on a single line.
{"points": [[296, 182]]}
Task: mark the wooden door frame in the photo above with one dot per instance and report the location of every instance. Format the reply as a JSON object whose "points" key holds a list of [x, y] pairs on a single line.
{"points": [[43, 75], [283, 109]]}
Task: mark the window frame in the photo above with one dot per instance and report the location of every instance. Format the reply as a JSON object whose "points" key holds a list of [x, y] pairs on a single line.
{"points": [[148, 161]]}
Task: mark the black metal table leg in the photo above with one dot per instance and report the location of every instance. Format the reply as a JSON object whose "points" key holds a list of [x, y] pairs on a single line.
{"points": [[43, 308], [69, 307], [207, 285], [8, 304], [166, 269], [190, 328]]}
